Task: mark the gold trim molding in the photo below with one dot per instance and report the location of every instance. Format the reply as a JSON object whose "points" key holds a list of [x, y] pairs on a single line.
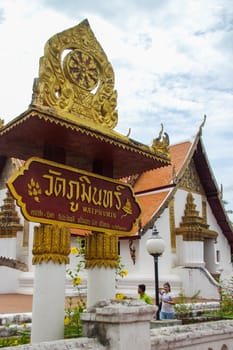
{"points": [[172, 225], [101, 251], [51, 242], [204, 209], [87, 128]]}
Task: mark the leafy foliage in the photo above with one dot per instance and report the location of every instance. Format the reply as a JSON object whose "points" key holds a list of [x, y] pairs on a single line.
{"points": [[120, 270], [226, 305], [22, 336], [182, 308], [72, 321]]}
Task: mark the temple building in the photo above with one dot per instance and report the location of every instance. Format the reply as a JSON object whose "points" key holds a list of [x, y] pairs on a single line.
{"points": [[182, 200], [173, 190]]}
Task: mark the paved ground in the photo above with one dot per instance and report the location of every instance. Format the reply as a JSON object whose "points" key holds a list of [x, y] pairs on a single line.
{"points": [[20, 303], [17, 303]]}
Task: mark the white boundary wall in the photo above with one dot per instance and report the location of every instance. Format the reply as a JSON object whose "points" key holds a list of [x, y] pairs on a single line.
{"points": [[216, 335]]}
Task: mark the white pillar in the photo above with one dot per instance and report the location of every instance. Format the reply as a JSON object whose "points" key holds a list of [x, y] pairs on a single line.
{"points": [[51, 247], [101, 256], [191, 253], [100, 284], [48, 302]]}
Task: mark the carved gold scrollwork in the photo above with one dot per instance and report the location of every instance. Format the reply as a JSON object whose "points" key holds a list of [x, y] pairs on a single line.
{"points": [[51, 243], [190, 180], [75, 78], [101, 250]]}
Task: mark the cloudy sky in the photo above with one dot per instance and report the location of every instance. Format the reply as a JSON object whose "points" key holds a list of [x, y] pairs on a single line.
{"points": [[173, 63]]}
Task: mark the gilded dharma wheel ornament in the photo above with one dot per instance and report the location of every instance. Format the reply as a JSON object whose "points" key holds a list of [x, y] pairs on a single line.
{"points": [[82, 70], [76, 80]]}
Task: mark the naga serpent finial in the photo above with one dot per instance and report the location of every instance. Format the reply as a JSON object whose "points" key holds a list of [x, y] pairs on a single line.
{"points": [[160, 144]]}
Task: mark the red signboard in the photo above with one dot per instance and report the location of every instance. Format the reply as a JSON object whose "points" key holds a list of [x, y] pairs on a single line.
{"points": [[53, 193]]}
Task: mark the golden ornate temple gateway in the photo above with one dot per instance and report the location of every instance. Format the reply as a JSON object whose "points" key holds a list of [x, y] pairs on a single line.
{"points": [[74, 109], [70, 121]]}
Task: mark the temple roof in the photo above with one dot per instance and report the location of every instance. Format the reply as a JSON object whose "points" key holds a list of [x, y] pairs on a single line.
{"points": [[155, 188], [163, 177], [83, 143]]}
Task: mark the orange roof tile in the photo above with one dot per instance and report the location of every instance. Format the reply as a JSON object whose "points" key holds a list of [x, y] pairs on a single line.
{"points": [[150, 203], [161, 177]]}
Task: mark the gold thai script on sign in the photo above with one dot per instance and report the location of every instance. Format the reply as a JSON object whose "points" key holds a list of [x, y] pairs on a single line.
{"points": [[48, 192], [83, 190]]}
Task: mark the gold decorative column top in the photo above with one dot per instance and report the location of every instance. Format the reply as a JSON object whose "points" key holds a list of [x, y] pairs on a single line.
{"points": [[76, 79], [51, 243], [193, 227], [101, 250]]}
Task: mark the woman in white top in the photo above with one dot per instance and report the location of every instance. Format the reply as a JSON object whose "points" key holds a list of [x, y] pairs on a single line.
{"points": [[167, 310]]}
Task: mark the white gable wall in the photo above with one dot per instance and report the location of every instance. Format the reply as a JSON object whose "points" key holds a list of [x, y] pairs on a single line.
{"points": [[224, 266], [143, 271], [166, 261], [185, 268]]}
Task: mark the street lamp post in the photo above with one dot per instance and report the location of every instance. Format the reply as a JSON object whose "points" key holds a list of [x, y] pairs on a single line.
{"points": [[155, 246]]}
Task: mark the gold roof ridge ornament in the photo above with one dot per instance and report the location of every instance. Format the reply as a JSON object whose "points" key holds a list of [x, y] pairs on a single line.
{"points": [[161, 143], [76, 80]]}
